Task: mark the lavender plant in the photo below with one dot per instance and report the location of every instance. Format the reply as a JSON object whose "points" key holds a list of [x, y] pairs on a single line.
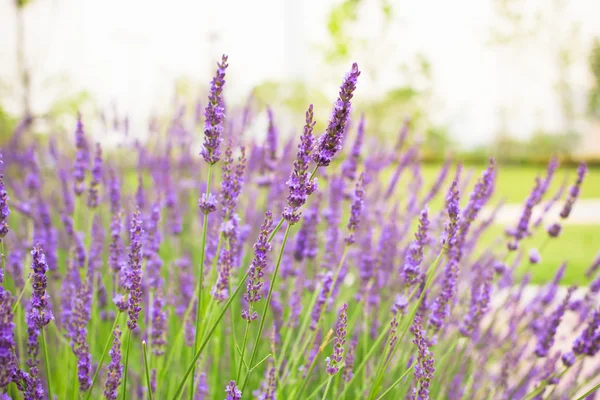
{"points": [[370, 284]]}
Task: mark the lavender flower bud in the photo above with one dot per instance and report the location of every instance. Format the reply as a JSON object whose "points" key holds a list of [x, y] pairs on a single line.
{"points": [[82, 158], [546, 337], [114, 369], [334, 363], [214, 115], [259, 263], [415, 250], [424, 369], [96, 178], [233, 393], [574, 192], [331, 141], [134, 265], [300, 184]]}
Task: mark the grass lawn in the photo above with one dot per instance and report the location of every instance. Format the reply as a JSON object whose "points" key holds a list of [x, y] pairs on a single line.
{"points": [[515, 182], [578, 245]]}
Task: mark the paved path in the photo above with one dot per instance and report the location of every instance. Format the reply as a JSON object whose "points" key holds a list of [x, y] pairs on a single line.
{"points": [[585, 211]]}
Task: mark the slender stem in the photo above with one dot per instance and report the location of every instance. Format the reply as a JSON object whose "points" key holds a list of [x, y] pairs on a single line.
{"points": [[243, 352], [317, 390], [209, 335], [266, 307], [396, 382], [106, 347], [126, 364], [47, 364], [312, 367], [327, 387], [201, 280], [147, 369], [18, 301], [586, 394]]}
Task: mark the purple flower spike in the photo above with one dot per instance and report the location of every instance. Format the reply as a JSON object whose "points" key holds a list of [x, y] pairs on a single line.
{"points": [[424, 369], [82, 158], [4, 210], [546, 338], [214, 115], [574, 192], [8, 362], [331, 141], [321, 299], [588, 343], [96, 178], [115, 368], [300, 185], [334, 362], [415, 250], [356, 209], [40, 313], [134, 265], [233, 393], [259, 263]]}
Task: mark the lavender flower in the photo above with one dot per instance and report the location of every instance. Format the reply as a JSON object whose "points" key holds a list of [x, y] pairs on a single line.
{"points": [[300, 183], [415, 251], [134, 276], [78, 335], [115, 368], [594, 267], [321, 299], [96, 178], [4, 210], [214, 115], [82, 158], [357, 206], [40, 314], [424, 369], [202, 389], [334, 363], [159, 324], [574, 192], [534, 256], [480, 301], [259, 263], [441, 307], [331, 141], [233, 393], [114, 192], [8, 362], [546, 339]]}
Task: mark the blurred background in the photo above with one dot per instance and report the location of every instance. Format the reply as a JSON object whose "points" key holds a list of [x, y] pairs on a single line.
{"points": [[514, 79], [520, 76]]}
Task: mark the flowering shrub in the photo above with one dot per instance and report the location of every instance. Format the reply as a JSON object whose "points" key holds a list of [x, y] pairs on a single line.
{"points": [[255, 271]]}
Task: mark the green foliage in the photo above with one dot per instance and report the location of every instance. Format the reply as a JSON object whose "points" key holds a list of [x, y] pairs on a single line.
{"points": [[337, 23], [594, 96]]}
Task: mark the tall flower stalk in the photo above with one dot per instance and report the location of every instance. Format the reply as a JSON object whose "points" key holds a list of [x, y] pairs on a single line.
{"points": [[214, 115]]}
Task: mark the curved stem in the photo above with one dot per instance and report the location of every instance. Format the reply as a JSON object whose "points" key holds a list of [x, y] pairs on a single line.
{"points": [[126, 364], [47, 364], [243, 351], [200, 280], [18, 301], [149, 385], [106, 347], [209, 335], [327, 387], [266, 307]]}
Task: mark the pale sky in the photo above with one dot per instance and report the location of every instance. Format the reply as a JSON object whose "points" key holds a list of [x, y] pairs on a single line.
{"points": [[132, 51]]}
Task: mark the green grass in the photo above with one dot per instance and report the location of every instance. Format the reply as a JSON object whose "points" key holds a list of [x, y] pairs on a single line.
{"points": [[515, 182], [578, 245]]}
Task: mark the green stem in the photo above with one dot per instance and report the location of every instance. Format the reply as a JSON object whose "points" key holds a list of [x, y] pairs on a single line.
{"points": [[327, 387], [209, 335], [586, 394], [200, 280], [47, 364], [396, 382], [106, 347], [147, 370], [266, 307], [18, 302], [243, 351], [126, 364]]}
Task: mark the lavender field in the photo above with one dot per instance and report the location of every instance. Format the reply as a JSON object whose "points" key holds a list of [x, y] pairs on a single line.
{"points": [[320, 266]]}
